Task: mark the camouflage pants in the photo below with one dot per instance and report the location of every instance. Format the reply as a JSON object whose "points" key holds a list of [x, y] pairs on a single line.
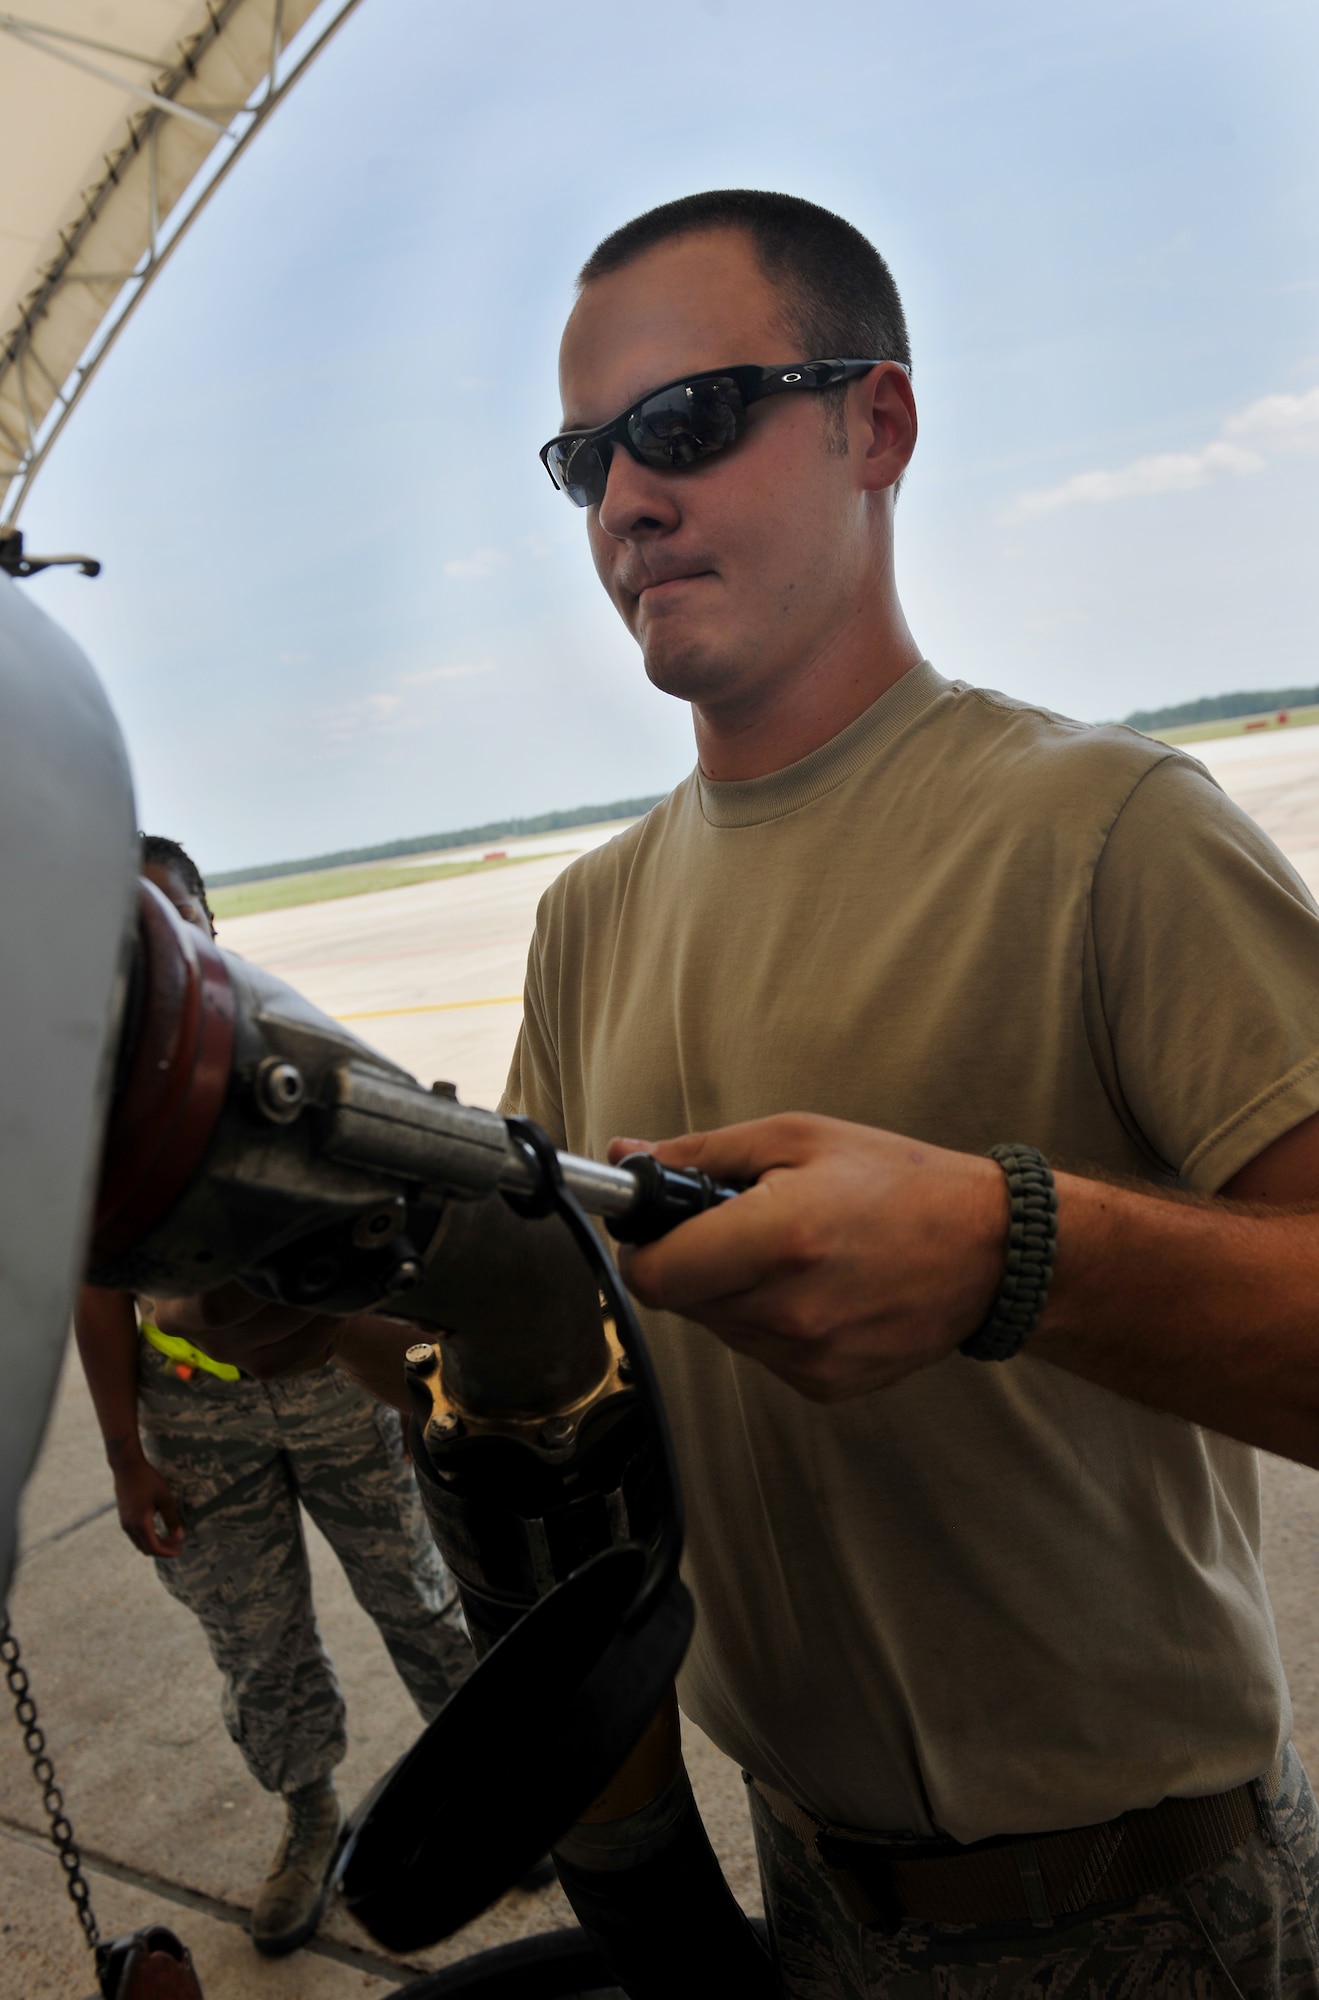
{"points": [[240, 1456], [1243, 1928]]}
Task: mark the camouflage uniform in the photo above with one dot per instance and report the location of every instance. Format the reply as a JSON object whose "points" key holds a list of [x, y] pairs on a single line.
{"points": [[239, 1457], [1244, 1927]]}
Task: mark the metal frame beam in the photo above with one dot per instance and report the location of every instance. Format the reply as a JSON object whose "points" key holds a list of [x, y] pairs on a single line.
{"points": [[50, 42], [45, 410]]}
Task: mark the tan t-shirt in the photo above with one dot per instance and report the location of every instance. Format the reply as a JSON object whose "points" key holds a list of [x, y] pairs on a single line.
{"points": [[995, 1598]]}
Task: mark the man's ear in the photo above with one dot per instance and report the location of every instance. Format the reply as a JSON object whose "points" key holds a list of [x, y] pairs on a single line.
{"points": [[887, 409]]}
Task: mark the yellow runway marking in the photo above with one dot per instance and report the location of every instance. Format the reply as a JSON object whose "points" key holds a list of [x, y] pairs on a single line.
{"points": [[435, 1007]]}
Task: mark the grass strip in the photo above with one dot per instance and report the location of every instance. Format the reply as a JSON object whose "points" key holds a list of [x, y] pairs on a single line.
{"points": [[1238, 725], [328, 885]]}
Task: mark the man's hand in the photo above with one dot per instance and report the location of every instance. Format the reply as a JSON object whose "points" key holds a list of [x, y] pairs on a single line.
{"points": [[142, 1492], [855, 1259], [858, 1257], [265, 1340]]}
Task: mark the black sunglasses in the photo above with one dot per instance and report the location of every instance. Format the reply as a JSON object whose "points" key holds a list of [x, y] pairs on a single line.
{"points": [[680, 423]]}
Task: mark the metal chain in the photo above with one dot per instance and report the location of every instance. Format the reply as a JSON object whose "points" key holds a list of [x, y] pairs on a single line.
{"points": [[34, 1742]]}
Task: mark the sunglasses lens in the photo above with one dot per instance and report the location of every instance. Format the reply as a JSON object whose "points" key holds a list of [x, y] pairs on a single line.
{"points": [[581, 468], [686, 423], [673, 428]]}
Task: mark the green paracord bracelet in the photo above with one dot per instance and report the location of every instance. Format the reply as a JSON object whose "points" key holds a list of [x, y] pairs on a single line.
{"points": [[1032, 1242]]}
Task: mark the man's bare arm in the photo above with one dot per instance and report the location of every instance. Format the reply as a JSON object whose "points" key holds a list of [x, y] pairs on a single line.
{"points": [[105, 1326], [860, 1256], [1209, 1309]]}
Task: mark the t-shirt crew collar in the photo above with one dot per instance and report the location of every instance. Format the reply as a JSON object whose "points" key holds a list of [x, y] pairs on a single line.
{"points": [[752, 801]]}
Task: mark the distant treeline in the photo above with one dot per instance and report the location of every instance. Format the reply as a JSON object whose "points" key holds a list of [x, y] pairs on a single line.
{"points": [[432, 843], [1219, 707]]}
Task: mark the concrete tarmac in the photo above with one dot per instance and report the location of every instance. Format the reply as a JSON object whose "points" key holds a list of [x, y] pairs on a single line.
{"points": [[173, 1830]]}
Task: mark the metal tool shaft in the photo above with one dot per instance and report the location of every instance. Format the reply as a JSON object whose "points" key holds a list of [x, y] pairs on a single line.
{"points": [[389, 1122], [601, 1190]]}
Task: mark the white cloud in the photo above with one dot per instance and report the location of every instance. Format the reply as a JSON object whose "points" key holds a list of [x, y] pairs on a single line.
{"points": [[384, 710], [375, 707], [1273, 425], [1279, 423], [484, 563], [368, 714], [461, 671]]}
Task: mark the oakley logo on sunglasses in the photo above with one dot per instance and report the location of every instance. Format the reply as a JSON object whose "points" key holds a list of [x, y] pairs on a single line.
{"points": [[680, 423]]}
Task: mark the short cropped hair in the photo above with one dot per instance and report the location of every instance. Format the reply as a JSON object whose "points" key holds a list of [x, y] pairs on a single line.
{"points": [[157, 851], [839, 295]]}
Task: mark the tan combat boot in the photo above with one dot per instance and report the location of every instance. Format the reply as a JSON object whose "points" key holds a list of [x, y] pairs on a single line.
{"points": [[292, 1897]]}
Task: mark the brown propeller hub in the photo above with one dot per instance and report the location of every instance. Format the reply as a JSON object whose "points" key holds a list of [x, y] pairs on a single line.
{"points": [[170, 1101]]}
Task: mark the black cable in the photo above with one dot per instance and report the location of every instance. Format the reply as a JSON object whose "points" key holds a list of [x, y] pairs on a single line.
{"points": [[644, 1918], [554, 1197], [554, 1965]]}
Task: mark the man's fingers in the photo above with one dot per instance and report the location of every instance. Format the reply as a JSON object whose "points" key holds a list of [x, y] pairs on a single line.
{"points": [[718, 1255], [153, 1543], [140, 1529], [618, 1149], [739, 1152]]}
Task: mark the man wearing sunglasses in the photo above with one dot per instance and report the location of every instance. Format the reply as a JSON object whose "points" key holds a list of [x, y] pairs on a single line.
{"points": [[980, 1606], [967, 1440]]}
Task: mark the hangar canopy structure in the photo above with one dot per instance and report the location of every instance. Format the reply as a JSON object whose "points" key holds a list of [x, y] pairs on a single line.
{"points": [[117, 123]]}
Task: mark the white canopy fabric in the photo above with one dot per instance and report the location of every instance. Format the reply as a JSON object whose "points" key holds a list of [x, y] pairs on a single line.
{"points": [[116, 121]]}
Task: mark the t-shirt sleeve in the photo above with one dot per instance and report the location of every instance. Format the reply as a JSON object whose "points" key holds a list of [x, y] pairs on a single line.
{"points": [[533, 1088], [1204, 948]]}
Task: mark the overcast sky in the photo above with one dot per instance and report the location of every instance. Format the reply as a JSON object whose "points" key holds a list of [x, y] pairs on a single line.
{"points": [[341, 602]]}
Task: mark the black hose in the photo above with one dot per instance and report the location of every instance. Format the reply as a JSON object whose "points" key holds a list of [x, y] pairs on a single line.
{"points": [[648, 1910], [554, 1197], [666, 1924], [554, 1965]]}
